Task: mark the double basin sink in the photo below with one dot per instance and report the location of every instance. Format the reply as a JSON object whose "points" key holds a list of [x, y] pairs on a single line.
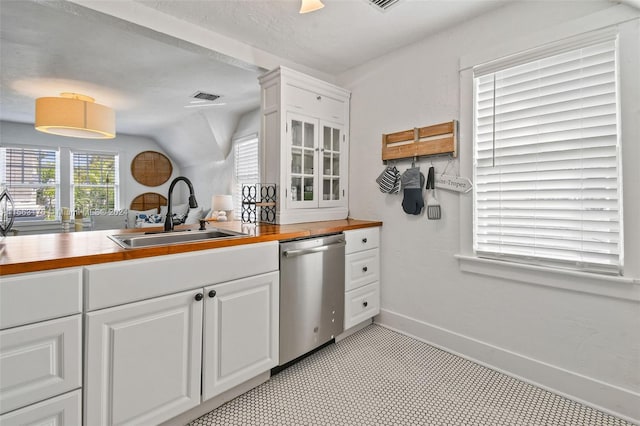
{"points": [[150, 239]]}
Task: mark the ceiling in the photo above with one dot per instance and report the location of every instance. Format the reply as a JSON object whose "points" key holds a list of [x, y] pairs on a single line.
{"points": [[342, 35]]}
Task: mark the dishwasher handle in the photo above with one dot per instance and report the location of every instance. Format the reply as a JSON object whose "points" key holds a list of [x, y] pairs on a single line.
{"points": [[300, 252]]}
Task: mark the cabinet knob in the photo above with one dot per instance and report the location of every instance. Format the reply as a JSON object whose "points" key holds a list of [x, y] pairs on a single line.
{"points": [[199, 297], [364, 241], [318, 97], [365, 304], [365, 269], [212, 293]]}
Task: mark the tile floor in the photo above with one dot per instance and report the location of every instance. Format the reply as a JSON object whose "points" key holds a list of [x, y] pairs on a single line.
{"points": [[380, 377]]}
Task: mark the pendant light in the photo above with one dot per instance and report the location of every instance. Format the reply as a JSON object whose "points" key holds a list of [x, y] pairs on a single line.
{"points": [[310, 6], [75, 115]]}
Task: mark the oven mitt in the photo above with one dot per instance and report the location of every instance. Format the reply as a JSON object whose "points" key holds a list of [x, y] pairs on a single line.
{"points": [[389, 180], [412, 183]]}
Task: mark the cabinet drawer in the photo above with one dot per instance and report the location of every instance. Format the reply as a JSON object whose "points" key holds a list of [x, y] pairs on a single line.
{"points": [[63, 410], [39, 296], [117, 283], [361, 304], [314, 104], [361, 268], [362, 239], [39, 361]]}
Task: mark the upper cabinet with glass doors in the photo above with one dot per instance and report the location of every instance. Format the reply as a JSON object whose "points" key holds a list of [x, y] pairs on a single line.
{"points": [[305, 134]]}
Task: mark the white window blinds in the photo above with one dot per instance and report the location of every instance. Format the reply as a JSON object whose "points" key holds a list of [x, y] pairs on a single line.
{"points": [[94, 182], [246, 168], [547, 187], [32, 178]]}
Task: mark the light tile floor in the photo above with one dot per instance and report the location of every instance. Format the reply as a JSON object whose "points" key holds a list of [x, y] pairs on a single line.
{"points": [[380, 377]]}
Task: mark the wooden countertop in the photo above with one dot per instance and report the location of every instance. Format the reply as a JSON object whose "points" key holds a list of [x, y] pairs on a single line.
{"points": [[33, 253]]}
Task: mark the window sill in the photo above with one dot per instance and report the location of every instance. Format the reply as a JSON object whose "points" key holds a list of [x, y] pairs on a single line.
{"points": [[582, 282]]}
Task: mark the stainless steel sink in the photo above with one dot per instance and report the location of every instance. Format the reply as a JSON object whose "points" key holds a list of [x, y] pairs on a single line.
{"points": [[134, 240]]}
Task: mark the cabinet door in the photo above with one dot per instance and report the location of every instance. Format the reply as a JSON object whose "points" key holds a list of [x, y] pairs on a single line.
{"points": [[143, 360], [240, 332], [333, 164], [302, 140]]}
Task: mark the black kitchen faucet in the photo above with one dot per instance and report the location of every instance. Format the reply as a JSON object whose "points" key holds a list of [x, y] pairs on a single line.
{"points": [[168, 222]]}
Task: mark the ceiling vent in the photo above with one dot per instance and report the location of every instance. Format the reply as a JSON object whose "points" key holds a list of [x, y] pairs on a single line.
{"points": [[382, 5], [205, 96]]}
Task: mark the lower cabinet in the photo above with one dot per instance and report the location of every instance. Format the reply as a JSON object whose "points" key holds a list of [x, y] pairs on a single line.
{"points": [[143, 360], [362, 276], [58, 411], [241, 332], [149, 361]]}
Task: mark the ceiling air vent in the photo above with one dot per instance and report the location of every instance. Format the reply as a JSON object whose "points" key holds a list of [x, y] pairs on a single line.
{"points": [[205, 96], [382, 5]]}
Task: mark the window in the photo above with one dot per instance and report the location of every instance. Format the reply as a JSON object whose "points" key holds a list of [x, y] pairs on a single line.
{"points": [[32, 179], [94, 182], [546, 161], [246, 167]]}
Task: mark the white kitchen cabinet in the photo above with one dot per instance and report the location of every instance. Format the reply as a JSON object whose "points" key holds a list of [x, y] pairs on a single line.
{"points": [[143, 360], [61, 410], [240, 332], [40, 341], [144, 348], [362, 275], [305, 128]]}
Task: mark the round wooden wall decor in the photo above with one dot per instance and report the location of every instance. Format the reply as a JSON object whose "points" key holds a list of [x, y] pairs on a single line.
{"points": [[148, 200], [151, 168]]}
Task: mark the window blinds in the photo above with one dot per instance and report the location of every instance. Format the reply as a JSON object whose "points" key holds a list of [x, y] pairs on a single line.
{"points": [[94, 181], [246, 168], [547, 167], [32, 178]]}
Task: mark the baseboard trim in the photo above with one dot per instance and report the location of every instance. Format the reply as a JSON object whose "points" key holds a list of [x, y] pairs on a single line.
{"points": [[611, 399]]}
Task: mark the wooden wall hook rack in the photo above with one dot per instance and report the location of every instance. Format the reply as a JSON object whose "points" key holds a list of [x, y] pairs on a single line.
{"points": [[421, 141]]}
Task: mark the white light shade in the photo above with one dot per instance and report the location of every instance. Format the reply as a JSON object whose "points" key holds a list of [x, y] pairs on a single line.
{"points": [[76, 116], [221, 202], [310, 6]]}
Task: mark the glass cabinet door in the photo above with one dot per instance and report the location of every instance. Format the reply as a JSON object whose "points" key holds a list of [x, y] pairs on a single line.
{"points": [[302, 190], [331, 160]]}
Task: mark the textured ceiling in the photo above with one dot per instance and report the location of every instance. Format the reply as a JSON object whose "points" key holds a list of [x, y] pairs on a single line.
{"points": [[342, 35]]}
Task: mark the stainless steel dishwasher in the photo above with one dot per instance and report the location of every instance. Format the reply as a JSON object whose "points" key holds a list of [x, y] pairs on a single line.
{"points": [[311, 294]]}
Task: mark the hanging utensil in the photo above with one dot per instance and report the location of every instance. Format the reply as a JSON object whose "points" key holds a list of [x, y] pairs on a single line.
{"points": [[433, 206]]}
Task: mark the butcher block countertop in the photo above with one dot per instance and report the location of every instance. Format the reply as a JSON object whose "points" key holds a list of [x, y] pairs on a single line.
{"points": [[33, 253]]}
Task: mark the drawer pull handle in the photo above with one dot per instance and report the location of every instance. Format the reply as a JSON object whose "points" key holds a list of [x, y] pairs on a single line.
{"points": [[212, 293], [364, 241], [199, 297], [365, 269], [365, 304]]}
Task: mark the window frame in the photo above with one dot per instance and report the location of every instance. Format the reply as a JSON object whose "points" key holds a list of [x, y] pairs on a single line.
{"points": [[56, 185], [622, 287], [483, 246], [237, 187], [115, 185]]}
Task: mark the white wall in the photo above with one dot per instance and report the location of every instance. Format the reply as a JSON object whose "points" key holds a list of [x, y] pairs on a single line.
{"points": [[126, 146], [215, 177], [578, 343]]}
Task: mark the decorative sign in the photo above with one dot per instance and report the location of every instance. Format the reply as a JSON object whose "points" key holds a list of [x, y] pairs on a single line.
{"points": [[453, 183]]}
